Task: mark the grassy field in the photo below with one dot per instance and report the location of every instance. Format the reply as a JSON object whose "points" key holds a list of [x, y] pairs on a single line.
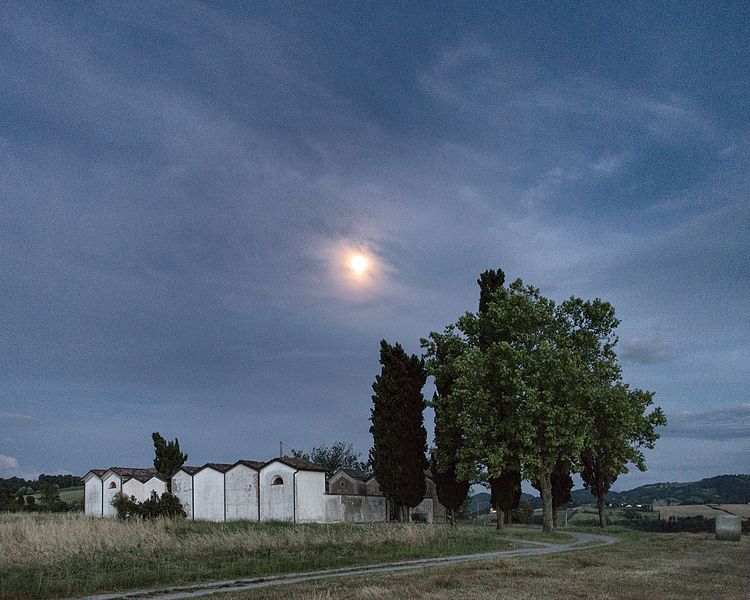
{"points": [[71, 494], [642, 565], [707, 511], [61, 555]]}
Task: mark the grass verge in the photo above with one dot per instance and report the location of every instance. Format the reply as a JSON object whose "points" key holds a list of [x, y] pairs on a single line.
{"points": [[64, 555], [641, 565]]}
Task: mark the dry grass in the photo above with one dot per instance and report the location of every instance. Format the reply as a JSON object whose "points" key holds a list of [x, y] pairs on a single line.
{"points": [[46, 539], [48, 555], [642, 565]]}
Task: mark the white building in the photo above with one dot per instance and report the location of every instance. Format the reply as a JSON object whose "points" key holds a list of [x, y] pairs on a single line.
{"points": [[282, 489], [101, 486]]}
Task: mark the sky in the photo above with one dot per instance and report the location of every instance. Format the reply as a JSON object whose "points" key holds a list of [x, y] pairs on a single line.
{"points": [[182, 185]]}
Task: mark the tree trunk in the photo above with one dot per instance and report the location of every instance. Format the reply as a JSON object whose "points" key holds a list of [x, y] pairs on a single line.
{"points": [[545, 483], [600, 505], [510, 517], [452, 517], [500, 519]]}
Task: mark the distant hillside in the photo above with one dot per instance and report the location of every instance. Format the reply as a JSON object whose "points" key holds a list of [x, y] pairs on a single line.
{"points": [[722, 489], [13, 484]]}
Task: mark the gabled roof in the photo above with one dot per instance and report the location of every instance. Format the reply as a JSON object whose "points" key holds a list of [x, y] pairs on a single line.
{"points": [[353, 473], [220, 467], [297, 463], [253, 464], [190, 470], [92, 472], [142, 475]]}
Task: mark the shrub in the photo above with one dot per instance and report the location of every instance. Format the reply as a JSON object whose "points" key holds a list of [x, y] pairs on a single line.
{"points": [[125, 507], [167, 506]]}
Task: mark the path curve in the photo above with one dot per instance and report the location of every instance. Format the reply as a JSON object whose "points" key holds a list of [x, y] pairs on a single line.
{"points": [[582, 540]]}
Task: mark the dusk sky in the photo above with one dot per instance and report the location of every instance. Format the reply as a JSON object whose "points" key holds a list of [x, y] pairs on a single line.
{"points": [[182, 187]]}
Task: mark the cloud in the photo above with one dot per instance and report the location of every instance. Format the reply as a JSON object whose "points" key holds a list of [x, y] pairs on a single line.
{"points": [[722, 424], [10, 416], [8, 463], [645, 351]]}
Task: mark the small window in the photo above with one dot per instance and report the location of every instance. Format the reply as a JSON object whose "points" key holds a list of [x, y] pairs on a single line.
{"points": [[277, 481], [113, 486], [342, 483]]}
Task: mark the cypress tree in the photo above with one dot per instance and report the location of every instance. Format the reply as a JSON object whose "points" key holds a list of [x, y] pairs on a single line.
{"points": [[451, 489], [167, 458], [398, 433], [505, 486], [505, 493]]}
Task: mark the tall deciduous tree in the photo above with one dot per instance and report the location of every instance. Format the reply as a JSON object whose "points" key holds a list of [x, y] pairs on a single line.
{"points": [[531, 365], [167, 458], [562, 484], [622, 428], [399, 437]]}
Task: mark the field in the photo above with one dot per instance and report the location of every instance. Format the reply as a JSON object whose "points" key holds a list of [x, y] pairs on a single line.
{"points": [[61, 555], [707, 511], [71, 494], [642, 565], [65, 555]]}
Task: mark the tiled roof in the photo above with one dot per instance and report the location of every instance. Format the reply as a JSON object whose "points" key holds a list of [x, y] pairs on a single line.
{"points": [[356, 474], [220, 467], [298, 463], [253, 464], [141, 475], [190, 470]]}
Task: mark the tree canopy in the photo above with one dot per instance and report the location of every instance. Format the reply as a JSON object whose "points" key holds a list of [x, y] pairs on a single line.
{"points": [[339, 455], [528, 379]]}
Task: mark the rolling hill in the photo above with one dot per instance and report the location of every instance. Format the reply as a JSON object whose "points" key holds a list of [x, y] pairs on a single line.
{"points": [[722, 489]]}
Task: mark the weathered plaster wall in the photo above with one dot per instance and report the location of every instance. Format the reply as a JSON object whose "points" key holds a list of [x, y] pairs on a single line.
{"points": [[109, 493], [242, 493], [154, 485], [93, 496], [276, 501], [182, 487], [354, 509], [208, 495], [310, 489], [133, 487]]}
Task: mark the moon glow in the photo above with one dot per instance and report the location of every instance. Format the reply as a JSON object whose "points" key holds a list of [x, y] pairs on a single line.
{"points": [[358, 264]]}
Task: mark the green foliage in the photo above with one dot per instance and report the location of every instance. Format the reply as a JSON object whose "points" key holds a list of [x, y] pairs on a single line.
{"points": [[126, 506], [538, 385], [340, 455], [50, 499], [399, 437], [166, 506], [168, 458]]}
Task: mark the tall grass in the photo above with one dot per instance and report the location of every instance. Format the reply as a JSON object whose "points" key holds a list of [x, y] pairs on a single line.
{"points": [[47, 555]]}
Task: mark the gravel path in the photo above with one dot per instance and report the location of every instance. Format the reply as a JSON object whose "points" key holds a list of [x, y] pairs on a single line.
{"points": [[582, 540]]}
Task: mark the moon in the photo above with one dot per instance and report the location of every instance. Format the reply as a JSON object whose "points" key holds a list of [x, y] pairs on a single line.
{"points": [[358, 264]]}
